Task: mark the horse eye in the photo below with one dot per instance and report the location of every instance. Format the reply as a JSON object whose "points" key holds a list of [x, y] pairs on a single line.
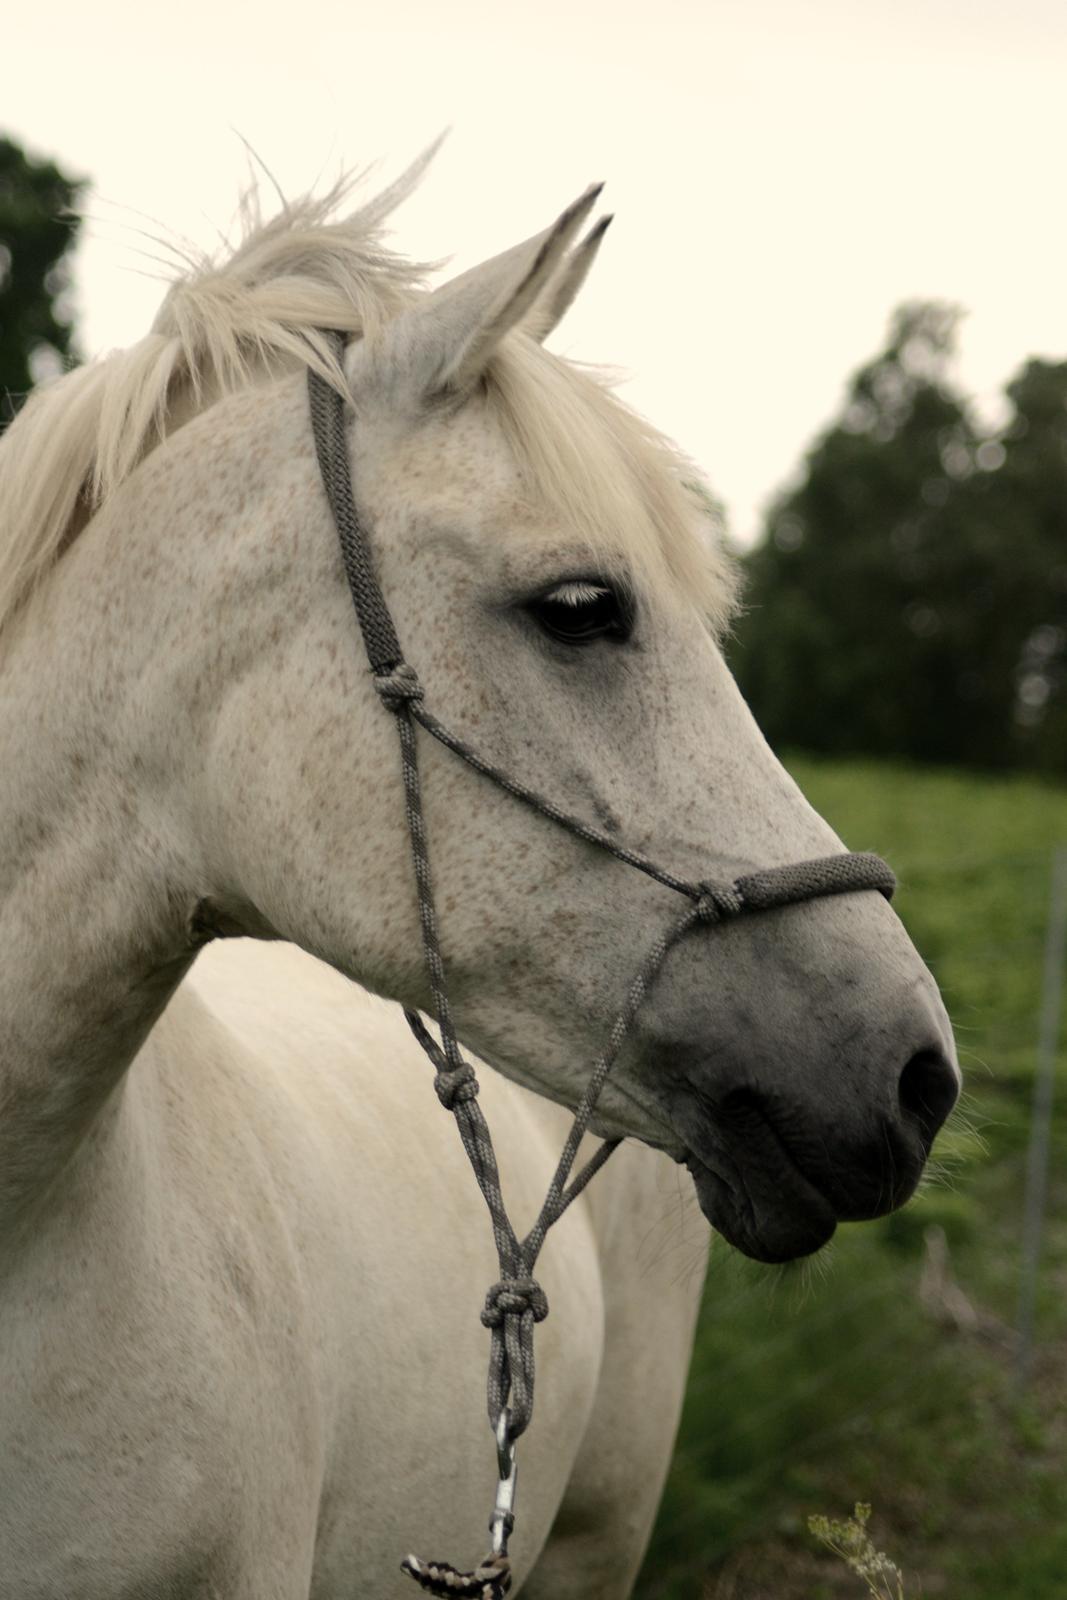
{"points": [[582, 610]]}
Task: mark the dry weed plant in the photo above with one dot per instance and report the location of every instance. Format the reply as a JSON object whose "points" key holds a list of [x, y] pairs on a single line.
{"points": [[851, 1541]]}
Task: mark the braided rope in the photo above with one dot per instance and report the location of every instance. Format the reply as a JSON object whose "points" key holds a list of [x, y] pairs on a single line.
{"points": [[331, 448], [517, 1301]]}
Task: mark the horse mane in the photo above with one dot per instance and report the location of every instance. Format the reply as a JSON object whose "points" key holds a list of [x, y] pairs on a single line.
{"points": [[256, 313]]}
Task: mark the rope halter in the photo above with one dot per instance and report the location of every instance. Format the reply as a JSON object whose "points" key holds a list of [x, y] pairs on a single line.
{"points": [[517, 1302]]}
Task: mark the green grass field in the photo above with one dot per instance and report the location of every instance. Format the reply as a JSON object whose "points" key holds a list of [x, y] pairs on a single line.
{"points": [[834, 1380]]}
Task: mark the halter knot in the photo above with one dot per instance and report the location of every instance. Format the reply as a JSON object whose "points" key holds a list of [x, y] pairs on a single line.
{"points": [[718, 900], [513, 1297], [455, 1085], [397, 687]]}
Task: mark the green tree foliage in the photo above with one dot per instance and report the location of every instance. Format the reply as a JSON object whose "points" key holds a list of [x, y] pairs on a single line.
{"points": [[37, 231], [910, 595], [1028, 495]]}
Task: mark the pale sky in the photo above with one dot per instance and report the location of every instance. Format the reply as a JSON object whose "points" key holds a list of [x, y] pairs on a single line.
{"points": [[783, 172]]}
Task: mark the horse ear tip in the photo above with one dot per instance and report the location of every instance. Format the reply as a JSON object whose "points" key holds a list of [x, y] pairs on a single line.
{"points": [[584, 203]]}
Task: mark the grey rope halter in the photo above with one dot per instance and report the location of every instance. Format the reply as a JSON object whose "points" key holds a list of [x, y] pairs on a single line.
{"points": [[517, 1302]]}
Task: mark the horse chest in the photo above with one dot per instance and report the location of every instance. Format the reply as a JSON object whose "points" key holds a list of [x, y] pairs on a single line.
{"points": [[209, 1391], [130, 1415]]}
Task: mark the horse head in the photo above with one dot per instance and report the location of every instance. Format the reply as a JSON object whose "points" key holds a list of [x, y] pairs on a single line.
{"points": [[556, 580]]}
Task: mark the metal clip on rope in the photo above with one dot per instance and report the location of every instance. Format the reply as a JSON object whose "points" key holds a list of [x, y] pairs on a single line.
{"points": [[503, 1519], [491, 1579], [517, 1302]]}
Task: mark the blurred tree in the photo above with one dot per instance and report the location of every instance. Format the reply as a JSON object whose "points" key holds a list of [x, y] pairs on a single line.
{"points": [[36, 234], [909, 596], [1025, 500]]}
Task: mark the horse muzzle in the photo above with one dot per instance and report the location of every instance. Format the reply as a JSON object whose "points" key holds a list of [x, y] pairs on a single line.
{"points": [[774, 1175]]}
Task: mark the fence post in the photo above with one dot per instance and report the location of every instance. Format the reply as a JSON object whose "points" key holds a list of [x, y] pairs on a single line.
{"points": [[1041, 1117]]}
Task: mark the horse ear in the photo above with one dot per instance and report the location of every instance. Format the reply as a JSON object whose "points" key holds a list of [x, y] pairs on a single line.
{"points": [[557, 299], [443, 345]]}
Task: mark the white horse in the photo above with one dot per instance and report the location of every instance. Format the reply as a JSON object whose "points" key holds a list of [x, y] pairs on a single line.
{"points": [[241, 1254]]}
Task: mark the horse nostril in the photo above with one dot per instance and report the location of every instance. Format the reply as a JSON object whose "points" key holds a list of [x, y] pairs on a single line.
{"points": [[928, 1090]]}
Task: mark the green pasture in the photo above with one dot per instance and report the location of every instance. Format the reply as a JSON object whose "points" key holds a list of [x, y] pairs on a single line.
{"points": [[836, 1380]]}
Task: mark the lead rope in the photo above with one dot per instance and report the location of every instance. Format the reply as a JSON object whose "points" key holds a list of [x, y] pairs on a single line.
{"points": [[516, 1302]]}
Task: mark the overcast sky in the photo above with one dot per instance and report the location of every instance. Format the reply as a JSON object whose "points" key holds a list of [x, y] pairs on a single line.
{"points": [[783, 172]]}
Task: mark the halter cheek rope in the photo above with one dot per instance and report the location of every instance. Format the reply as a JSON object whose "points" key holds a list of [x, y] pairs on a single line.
{"points": [[517, 1302]]}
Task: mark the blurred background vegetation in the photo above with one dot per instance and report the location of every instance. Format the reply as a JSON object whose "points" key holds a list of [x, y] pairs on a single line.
{"points": [[37, 232], [909, 596], [905, 643]]}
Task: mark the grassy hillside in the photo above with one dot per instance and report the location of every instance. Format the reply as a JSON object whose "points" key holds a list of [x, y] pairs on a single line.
{"points": [[882, 1371]]}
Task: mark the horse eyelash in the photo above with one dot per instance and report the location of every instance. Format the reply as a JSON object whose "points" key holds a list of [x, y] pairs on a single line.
{"points": [[577, 592]]}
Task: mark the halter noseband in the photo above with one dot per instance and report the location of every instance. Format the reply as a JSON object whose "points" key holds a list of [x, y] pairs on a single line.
{"points": [[517, 1301]]}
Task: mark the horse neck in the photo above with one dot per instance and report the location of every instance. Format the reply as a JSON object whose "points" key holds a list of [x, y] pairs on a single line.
{"points": [[94, 919]]}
